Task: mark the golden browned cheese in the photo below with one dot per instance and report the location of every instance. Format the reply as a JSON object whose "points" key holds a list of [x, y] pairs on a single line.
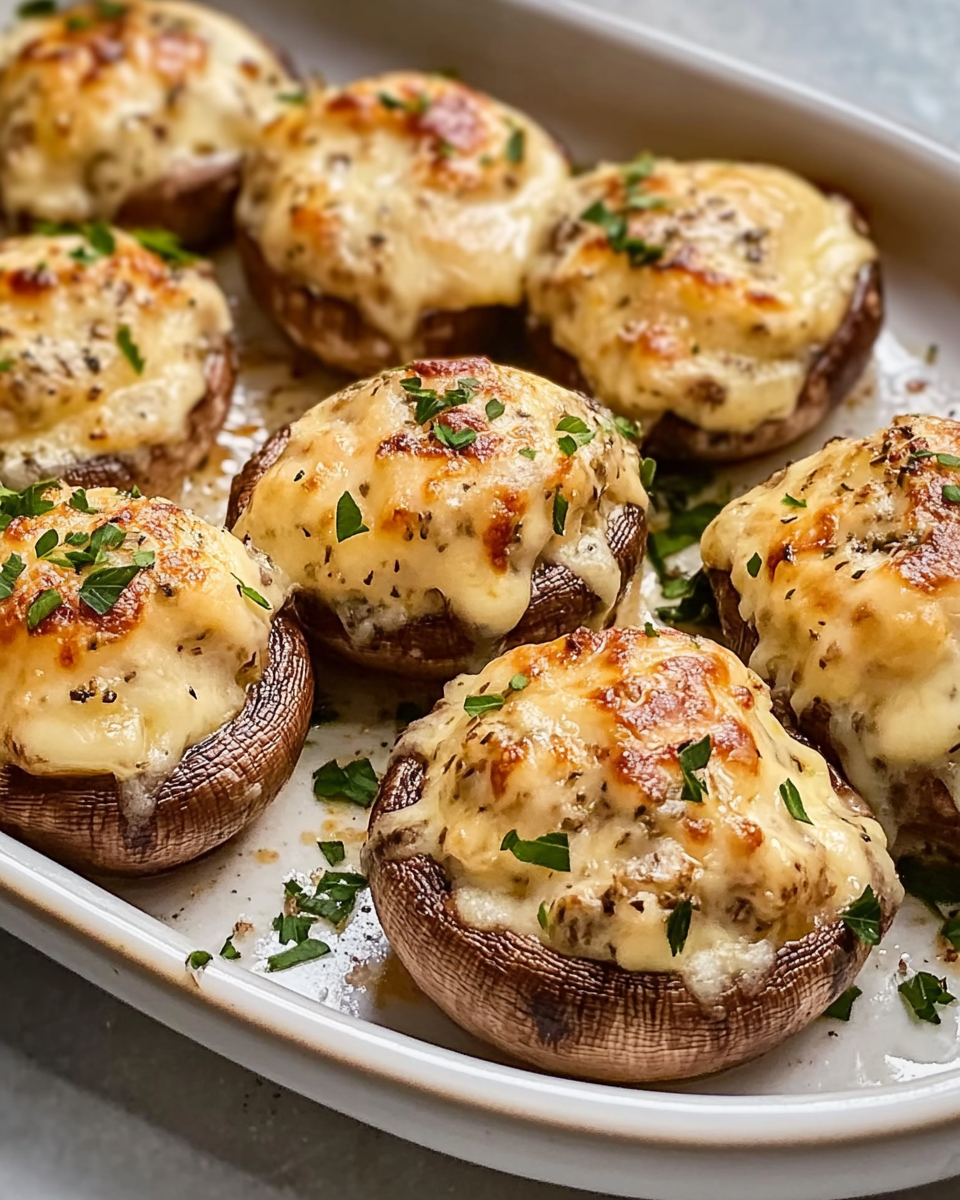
{"points": [[856, 595], [728, 279], [587, 744], [103, 100], [462, 526], [68, 392], [125, 691], [402, 194]]}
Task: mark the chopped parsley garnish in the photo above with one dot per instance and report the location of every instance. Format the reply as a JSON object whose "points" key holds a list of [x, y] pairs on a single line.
{"points": [[493, 409], [790, 796], [144, 559], [458, 439], [685, 529], [560, 506], [950, 930], [129, 349], [841, 1007], [47, 602], [519, 682], [333, 900], [244, 590], [694, 756], [165, 245], [542, 917], [754, 565], [333, 852], [28, 503], [37, 8], [697, 603], [305, 952], [516, 146], [293, 98], [648, 472], [12, 569], [476, 706], [46, 542], [7, 364], [678, 926], [417, 104], [576, 433], [617, 228], [650, 631], [356, 783], [923, 992], [528, 452], [430, 403], [349, 518], [198, 959], [862, 917], [108, 10], [951, 493], [79, 501], [552, 850], [627, 428], [229, 951], [293, 928], [100, 243], [793, 502], [101, 590]]}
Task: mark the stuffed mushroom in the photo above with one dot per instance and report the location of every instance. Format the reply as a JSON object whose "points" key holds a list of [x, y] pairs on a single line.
{"points": [[607, 858], [154, 692], [439, 512], [116, 366], [394, 218], [727, 306], [137, 112], [838, 579]]}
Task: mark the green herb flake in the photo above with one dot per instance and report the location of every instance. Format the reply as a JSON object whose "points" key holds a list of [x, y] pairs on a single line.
{"points": [[356, 783], [129, 349], [950, 931], [790, 796], [46, 542], [697, 603], [923, 993], [516, 146], [249, 592], [476, 706], [333, 852], [863, 916], [694, 756], [334, 898], [552, 850], [493, 409], [37, 8], [841, 1008], [458, 439], [650, 631], [11, 571], [519, 682], [560, 506], [101, 590], [678, 926], [144, 559], [198, 959], [229, 951], [108, 10], [627, 428], [349, 518], [293, 928], [79, 501], [542, 917], [165, 245], [648, 472], [792, 502], [754, 565], [295, 99], [7, 364], [528, 452], [304, 952], [576, 433], [47, 602], [951, 493], [28, 503]]}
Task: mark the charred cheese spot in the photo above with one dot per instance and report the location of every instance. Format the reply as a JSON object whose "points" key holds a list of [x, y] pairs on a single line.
{"points": [[402, 194], [464, 527], [755, 273], [590, 747], [67, 391], [95, 108], [859, 606], [127, 691]]}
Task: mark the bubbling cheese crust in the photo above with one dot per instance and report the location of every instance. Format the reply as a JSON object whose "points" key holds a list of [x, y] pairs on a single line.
{"points": [[99, 102], [589, 748], [402, 195], [751, 272], [128, 691], [67, 390], [457, 527], [856, 600]]}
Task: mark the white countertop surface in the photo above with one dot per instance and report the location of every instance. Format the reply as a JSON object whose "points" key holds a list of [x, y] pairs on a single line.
{"points": [[100, 1103]]}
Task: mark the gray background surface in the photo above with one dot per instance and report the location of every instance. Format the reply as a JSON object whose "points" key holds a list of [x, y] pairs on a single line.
{"points": [[99, 1103]]}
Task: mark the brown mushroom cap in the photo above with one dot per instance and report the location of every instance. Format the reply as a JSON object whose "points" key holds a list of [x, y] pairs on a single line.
{"points": [[834, 371], [219, 786], [578, 1016], [438, 647], [340, 336], [196, 203]]}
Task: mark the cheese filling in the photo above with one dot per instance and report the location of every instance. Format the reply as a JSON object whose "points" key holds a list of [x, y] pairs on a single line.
{"points": [[705, 289], [856, 597], [588, 748], [457, 509], [403, 194], [70, 388], [127, 690], [100, 102]]}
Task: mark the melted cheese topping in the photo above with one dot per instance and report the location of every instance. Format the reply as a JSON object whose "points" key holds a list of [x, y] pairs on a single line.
{"points": [[756, 273], [857, 598], [67, 390], [128, 691], [462, 528], [95, 108], [402, 194], [590, 748]]}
